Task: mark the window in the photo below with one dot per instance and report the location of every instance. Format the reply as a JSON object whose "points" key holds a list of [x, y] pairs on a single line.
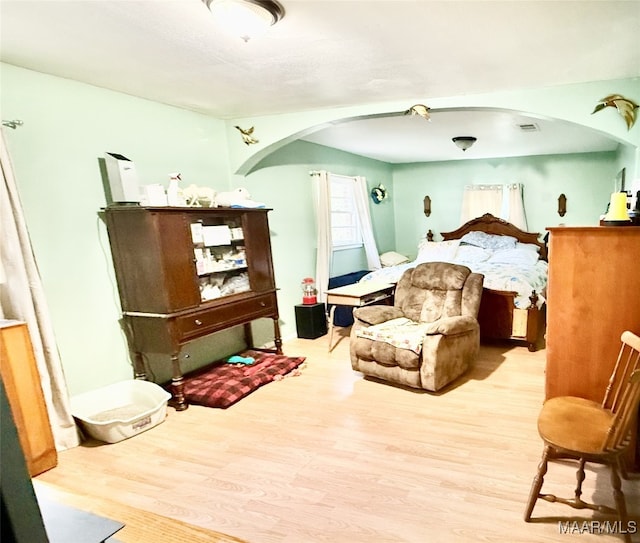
{"points": [[504, 201], [345, 226]]}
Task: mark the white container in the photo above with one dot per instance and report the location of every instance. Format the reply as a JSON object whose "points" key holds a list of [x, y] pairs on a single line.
{"points": [[174, 192], [154, 195], [121, 410]]}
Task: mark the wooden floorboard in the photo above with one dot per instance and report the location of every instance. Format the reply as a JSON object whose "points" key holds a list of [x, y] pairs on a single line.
{"points": [[139, 526], [329, 456]]}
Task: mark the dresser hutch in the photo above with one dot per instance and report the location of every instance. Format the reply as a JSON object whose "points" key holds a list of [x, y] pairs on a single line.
{"points": [[186, 272]]}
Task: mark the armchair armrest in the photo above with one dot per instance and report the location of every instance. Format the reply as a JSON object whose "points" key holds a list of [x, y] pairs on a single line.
{"points": [[376, 314], [449, 326]]}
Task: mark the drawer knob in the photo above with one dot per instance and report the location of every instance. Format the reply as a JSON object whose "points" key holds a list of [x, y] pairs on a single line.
{"points": [[198, 322], [262, 304]]}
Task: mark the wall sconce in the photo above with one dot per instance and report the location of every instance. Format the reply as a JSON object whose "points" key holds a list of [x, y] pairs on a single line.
{"points": [[427, 206], [562, 205], [464, 142], [246, 18]]}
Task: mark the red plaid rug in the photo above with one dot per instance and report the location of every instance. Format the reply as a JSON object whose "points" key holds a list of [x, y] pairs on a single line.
{"points": [[224, 384]]}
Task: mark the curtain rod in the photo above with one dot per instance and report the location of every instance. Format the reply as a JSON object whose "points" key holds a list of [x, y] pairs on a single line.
{"points": [[493, 187], [12, 124]]}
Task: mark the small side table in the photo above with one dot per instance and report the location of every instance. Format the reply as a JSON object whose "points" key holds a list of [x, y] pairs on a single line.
{"points": [[357, 295], [311, 320]]}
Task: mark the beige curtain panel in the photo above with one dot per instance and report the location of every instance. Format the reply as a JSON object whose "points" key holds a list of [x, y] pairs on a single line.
{"points": [[22, 298]]}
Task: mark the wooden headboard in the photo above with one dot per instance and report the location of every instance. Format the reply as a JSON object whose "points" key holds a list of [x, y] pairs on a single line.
{"points": [[493, 225]]}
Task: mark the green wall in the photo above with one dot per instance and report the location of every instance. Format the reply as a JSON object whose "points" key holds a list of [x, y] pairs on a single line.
{"points": [[283, 182], [68, 127], [586, 180]]}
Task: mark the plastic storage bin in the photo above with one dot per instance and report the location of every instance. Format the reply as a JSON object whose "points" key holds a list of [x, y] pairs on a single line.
{"points": [[120, 410]]}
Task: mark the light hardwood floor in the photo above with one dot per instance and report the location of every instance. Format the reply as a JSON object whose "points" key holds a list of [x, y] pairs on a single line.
{"points": [[329, 456]]}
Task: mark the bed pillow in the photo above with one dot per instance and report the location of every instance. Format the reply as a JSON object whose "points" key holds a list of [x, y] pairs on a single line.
{"points": [[517, 257], [491, 242], [437, 251], [528, 246], [391, 258], [472, 254]]}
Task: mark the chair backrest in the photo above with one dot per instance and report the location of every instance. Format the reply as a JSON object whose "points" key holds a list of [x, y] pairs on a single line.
{"points": [[622, 395], [434, 290]]}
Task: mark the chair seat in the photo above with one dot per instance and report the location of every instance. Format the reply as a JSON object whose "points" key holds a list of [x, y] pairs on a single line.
{"points": [[402, 333], [574, 424], [586, 431], [429, 337]]}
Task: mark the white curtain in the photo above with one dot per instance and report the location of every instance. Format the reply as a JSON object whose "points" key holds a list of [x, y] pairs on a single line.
{"points": [[366, 228], [504, 201], [324, 255], [480, 199], [322, 204], [515, 205], [22, 298]]}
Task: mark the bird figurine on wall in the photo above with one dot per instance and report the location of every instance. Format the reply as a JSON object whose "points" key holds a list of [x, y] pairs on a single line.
{"points": [[378, 194], [419, 109], [247, 135], [626, 108]]}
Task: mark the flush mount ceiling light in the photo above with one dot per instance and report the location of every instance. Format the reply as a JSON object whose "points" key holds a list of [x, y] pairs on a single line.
{"points": [[246, 18], [464, 142]]}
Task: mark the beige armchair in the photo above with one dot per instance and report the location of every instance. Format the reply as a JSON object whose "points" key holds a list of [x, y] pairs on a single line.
{"points": [[429, 336]]}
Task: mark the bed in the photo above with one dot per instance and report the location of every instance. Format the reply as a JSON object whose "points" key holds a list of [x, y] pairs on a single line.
{"points": [[514, 263]]}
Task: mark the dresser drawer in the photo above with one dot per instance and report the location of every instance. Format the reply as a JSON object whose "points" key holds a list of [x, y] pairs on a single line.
{"points": [[209, 320]]}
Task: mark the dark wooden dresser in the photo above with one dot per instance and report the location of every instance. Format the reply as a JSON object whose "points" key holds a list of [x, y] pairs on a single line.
{"points": [[184, 273]]}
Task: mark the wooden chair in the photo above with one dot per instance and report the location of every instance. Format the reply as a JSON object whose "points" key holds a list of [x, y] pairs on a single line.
{"points": [[587, 431]]}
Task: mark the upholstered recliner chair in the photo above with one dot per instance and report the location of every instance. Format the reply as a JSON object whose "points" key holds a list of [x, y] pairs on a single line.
{"points": [[429, 336]]}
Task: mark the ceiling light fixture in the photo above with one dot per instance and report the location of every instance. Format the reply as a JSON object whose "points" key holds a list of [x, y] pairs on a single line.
{"points": [[246, 18], [464, 142]]}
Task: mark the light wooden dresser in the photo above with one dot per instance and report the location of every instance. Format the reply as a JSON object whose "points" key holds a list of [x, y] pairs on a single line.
{"points": [[592, 297], [24, 392]]}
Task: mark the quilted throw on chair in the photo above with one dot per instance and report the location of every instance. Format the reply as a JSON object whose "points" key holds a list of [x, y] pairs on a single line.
{"points": [[402, 333]]}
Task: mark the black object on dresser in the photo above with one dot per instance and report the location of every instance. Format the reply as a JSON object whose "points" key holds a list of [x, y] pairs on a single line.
{"points": [[184, 273]]}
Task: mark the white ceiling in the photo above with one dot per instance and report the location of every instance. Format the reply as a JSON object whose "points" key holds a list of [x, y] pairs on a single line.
{"points": [[327, 54], [499, 134]]}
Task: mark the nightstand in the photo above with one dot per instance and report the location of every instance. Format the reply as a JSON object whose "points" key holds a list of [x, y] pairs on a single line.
{"points": [[311, 320]]}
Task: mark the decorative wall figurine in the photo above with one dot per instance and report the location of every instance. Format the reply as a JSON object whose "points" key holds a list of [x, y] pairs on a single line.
{"points": [[624, 106], [247, 135], [378, 194], [12, 124], [419, 109], [196, 196]]}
